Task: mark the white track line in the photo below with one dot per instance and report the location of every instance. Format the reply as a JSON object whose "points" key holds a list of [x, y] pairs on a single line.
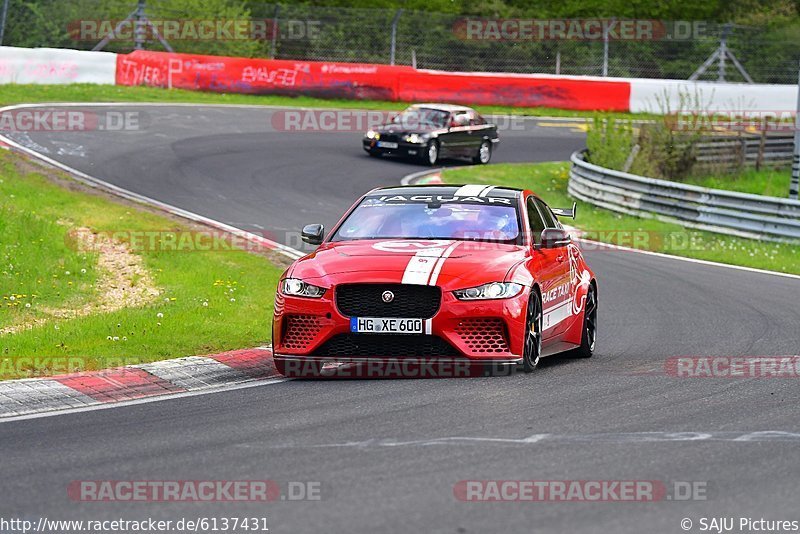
{"points": [[146, 400], [690, 260]]}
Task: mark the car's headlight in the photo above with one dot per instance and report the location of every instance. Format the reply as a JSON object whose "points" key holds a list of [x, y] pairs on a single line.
{"points": [[372, 134], [298, 288], [415, 138], [492, 290]]}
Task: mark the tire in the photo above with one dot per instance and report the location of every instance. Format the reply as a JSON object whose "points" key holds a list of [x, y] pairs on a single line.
{"points": [[432, 153], [589, 333], [532, 348], [484, 154]]}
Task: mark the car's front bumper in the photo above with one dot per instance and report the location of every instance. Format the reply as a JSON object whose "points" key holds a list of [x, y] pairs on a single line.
{"points": [[467, 331], [403, 148]]}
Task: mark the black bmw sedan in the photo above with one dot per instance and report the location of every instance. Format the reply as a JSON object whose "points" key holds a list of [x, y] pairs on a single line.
{"points": [[431, 132]]}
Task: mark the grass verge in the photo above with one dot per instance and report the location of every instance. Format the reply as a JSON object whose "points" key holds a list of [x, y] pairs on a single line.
{"points": [[157, 288], [549, 180], [30, 94], [769, 182]]}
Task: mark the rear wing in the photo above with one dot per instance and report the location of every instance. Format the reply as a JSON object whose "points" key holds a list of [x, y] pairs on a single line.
{"points": [[566, 212]]}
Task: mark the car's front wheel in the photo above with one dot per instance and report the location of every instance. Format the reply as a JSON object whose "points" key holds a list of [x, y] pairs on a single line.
{"points": [[484, 154], [432, 153], [533, 333]]}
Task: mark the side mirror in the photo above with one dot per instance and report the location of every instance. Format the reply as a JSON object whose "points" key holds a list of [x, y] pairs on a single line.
{"points": [[313, 233], [554, 238]]}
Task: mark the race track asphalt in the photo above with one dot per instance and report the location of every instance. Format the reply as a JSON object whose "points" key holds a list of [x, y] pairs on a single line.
{"points": [[388, 453]]}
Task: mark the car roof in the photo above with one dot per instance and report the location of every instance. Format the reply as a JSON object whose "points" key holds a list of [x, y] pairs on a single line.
{"points": [[466, 190], [443, 107]]}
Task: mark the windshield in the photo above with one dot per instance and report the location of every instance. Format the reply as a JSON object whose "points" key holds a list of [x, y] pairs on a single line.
{"points": [[422, 118], [377, 219]]}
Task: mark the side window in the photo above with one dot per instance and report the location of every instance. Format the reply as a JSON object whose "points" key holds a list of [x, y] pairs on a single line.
{"points": [[475, 119], [460, 119], [549, 218], [536, 222]]}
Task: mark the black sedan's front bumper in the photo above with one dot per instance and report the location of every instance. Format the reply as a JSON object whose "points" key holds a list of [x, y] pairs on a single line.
{"points": [[413, 150]]}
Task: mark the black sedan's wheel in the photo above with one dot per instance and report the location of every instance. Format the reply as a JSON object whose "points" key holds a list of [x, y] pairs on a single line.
{"points": [[432, 153], [533, 334], [484, 154], [589, 337]]}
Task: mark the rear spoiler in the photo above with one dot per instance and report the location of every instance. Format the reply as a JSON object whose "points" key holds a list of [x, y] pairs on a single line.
{"points": [[564, 212]]}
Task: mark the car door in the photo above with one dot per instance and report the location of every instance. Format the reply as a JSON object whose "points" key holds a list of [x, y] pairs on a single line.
{"points": [[458, 135], [478, 129], [545, 269], [557, 291]]}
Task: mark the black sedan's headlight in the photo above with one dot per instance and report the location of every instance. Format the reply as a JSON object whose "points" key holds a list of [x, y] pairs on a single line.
{"points": [[416, 139], [297, 288]]}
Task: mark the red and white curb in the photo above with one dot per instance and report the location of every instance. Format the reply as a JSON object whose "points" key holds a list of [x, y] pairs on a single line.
{"points": [[135, 382]]}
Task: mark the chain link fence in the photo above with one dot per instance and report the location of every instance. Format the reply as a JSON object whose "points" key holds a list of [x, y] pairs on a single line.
{"points": [[425, 40]]}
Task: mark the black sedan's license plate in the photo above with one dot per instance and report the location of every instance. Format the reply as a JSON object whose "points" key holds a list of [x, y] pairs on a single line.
{"points": [[386, 325]]}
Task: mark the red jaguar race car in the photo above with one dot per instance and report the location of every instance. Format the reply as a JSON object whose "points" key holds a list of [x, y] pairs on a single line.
{"points": [[435, 279]]}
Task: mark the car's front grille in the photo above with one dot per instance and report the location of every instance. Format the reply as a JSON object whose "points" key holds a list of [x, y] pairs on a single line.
{"points": [[366, 300], [391, 138], [386, 345]]}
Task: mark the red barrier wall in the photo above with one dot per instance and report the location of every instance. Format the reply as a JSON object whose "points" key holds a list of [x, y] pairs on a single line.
{"points": [[254, 76], [514, 90], [366, 81]]}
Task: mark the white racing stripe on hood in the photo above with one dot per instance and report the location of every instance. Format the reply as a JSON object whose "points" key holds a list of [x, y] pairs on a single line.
{"points": [[440, 263], [424, 267], [421, 265]]}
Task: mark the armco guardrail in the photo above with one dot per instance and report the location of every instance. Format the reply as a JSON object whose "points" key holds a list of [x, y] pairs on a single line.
{"points": [[726, 212]]}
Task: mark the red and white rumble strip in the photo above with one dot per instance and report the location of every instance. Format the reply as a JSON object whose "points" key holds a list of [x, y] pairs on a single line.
{"points": [[168, 377]]}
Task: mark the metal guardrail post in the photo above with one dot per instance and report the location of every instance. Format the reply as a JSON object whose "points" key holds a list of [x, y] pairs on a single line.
{"points": [[275, 27], [395, 20], [3, 21], [794, 184]]}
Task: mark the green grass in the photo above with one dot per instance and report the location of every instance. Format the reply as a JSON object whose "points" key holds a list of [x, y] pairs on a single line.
{"points": [[37, 267], [210, 300], [549, 180], [770, 182], [28, 94]]}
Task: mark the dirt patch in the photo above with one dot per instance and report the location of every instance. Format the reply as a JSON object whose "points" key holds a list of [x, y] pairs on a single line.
{"points": [[123, 282]]}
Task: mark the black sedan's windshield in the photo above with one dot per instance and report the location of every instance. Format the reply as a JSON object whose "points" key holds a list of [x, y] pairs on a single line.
{"points": [[415, 118]]}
